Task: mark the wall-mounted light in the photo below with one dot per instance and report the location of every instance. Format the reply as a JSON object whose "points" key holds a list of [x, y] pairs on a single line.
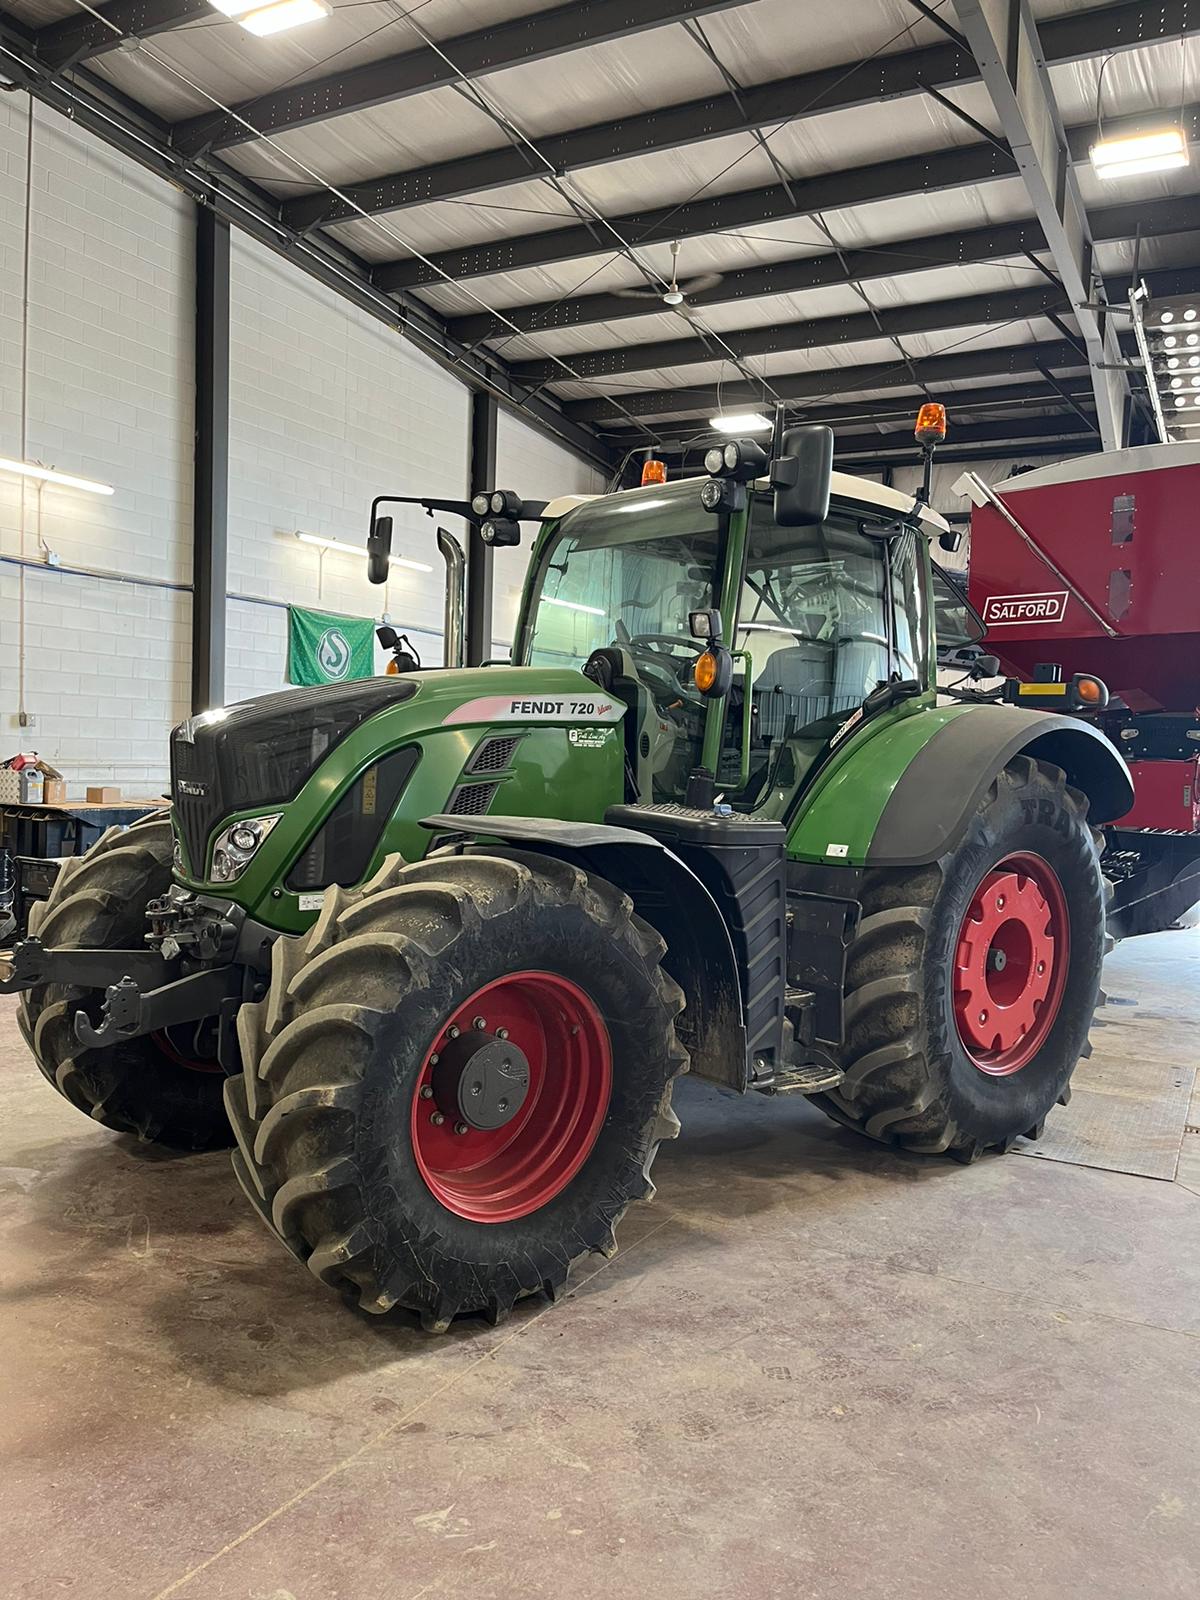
{"points": [[27, 469], [325, 543], [740, 422], [1157, 151]]}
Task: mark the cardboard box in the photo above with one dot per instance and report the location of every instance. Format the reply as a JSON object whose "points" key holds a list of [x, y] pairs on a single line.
{"points": [[102, 794], [55, 792]]}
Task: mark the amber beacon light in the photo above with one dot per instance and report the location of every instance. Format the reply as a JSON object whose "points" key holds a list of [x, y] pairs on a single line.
{"points": [[931, 424]]}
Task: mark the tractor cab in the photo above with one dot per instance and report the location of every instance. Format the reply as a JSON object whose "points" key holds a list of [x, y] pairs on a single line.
{"points": [[742, 640]]}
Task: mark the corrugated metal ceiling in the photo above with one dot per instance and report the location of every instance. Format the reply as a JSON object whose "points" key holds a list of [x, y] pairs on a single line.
{"points": [[186, 70]]}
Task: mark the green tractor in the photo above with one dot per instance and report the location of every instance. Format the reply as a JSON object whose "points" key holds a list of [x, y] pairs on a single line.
{"points": [[432, 949]]}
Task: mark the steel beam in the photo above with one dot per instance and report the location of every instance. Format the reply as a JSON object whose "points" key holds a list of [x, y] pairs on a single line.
{"points": [[881, 78], [900, 258], [81, 35], [890, 322], [914, 175], [210, 523], [998, 399], [1017, 431], [812, 386], [479, 555], [957, 167], [1034, 357], [469, 55], [1004, 40]]}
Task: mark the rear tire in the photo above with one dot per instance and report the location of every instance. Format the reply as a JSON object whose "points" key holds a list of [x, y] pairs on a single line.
{"points": [[917, 1075], [99, 903], [329, 1113]]}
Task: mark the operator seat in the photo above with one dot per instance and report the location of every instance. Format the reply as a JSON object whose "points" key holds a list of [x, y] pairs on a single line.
{"points": [[793, 689]]}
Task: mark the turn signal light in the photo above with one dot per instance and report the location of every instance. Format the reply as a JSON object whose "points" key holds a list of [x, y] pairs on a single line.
{"points": [[931, 424], [704, 673], [653, 471], [1090, 691]]}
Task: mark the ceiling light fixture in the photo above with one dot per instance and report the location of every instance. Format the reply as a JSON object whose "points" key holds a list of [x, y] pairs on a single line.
{"points": [[325, 543], [741, 422], [1160, 151], [27, 469], [283, 15]]}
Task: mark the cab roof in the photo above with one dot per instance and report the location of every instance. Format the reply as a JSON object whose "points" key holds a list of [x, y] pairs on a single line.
{"points": [[845, 487]]}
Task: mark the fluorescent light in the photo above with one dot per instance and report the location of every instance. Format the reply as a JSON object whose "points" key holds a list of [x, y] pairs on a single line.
{"points": [[48, 475], [284, 14], [236, 8], [741, 422], [357, 550], [1141, 152], [573, 605]]}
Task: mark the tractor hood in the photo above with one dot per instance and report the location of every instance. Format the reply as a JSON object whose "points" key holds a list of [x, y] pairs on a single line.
{"points": [[330, 780]]}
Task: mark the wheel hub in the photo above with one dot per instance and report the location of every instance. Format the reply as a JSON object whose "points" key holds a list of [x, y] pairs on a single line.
{"points": [[481, 1080], [1010, 964], [511, 1096]]}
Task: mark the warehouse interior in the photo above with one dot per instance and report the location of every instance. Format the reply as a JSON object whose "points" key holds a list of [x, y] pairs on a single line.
{"points": [[260, 265]]}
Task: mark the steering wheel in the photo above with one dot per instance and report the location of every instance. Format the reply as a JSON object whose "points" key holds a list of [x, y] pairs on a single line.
{"points": [[665, 671]]}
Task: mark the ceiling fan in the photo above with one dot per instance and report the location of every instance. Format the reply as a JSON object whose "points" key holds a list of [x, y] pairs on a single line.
{"points": [[676, 293]]}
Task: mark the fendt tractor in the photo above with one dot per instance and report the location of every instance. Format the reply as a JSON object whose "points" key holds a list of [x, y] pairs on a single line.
{"points": [[1086, 565], [435, 946]]}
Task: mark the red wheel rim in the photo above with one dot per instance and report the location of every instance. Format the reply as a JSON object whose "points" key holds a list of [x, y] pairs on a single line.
{"points": [[1010, 965], [496, 1175]]}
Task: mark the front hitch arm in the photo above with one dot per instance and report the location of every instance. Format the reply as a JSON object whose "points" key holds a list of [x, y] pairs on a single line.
{"points": [[30, 963], [129, 1012]]}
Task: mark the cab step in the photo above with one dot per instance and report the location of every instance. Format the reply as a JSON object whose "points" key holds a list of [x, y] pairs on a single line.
{"points": [[813, 1078]]}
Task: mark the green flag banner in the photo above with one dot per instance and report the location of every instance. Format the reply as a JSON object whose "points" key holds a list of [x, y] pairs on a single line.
{"points": [[324, 648]]}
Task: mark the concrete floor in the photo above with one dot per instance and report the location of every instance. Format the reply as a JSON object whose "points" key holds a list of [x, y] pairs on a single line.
{"points": [[815, 1369]]}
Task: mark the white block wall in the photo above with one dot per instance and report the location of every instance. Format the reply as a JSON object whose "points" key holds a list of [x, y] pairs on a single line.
{"points": [[327, 409], [109, 397], [538, 469]]}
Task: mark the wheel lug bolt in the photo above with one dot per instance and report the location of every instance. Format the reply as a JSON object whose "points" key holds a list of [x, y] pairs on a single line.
{"points": [[434, 1059], [983, 1016], [437, 1119], [460, 1127], [476, 1088], [426, 1092], [502, 1033], [1041, 967], [502, 1105], [479, 1022], [999, 902], [452, 1032]]}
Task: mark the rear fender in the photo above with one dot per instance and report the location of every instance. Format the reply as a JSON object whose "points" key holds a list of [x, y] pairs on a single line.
{"points": [[932, 801], [667, 894]]}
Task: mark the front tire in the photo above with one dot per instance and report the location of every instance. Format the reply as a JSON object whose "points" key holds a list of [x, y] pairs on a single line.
{"points": [[346, 1143], [972, 982], [141, 1086]]}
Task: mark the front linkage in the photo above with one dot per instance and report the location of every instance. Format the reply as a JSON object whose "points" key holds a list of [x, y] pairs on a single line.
{"points": [[205, 958]]}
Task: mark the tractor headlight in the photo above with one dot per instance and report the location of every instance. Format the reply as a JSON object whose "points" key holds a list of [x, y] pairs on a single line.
{"points": [[177, 856], [234, 848]]}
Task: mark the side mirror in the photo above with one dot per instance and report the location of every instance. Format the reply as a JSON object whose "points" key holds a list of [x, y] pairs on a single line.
{"points": [[951, 541], [802, 477], [388, 637], [379, 549]]}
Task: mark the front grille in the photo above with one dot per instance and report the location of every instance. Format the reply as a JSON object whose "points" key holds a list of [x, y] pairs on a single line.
{"points": [[260, 753], [472, 799], [494, 754]]}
